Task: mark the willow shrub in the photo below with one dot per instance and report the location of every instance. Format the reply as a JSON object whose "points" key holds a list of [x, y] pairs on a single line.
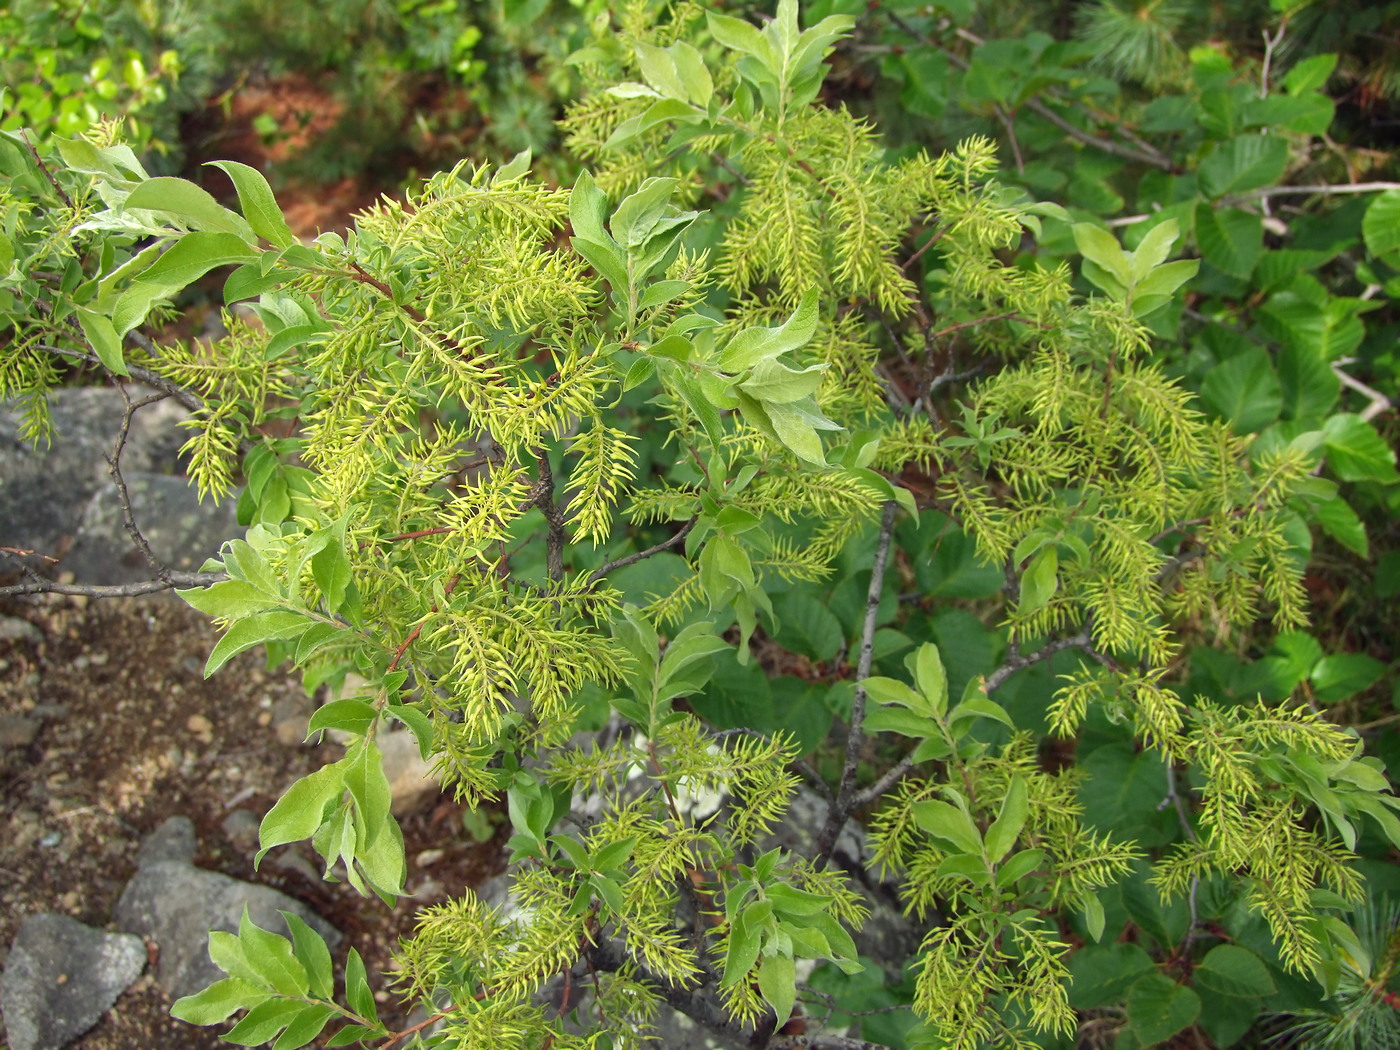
{"points": [[558, 459]]}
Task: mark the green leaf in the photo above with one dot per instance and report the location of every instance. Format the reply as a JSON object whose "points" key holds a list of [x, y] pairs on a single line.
{"points": [[189, 259], [606, 258], [243, 635], [745, 942], [931, 678], [302, 808], [905, 723], [948, 823], [1340, 522], [218, 1001], [357, 990], [790, 901], [230, 599], [1102, 974], [588, 208], [369, 787], [1244, 391], [189, 205], [305, 1026], [807, 626], [312, 953], [892, 691], [263, 1022], [1093, 916], [1019, 866], [1309, 385], [1244, 162], [777, 981], [754, 344], [1380, 227], [1158, 1008], [351, 715], [1345, 674], [1355, 452], [1231, 240], [1235, 971], [1311, 74], [271, 958], [1002, 835], [637, 215], [259, 205], [102, 335], [1040, 580], [1102, 248]]}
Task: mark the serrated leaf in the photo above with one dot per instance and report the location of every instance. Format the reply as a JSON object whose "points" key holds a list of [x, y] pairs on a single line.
{"points": [[1231, 240], [1380, 227], [1158, 1008], [1355, 452], [1244, 391], [1243, 162], [1232, 970]]}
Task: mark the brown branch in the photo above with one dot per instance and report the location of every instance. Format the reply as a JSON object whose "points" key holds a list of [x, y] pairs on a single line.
{"points": [[39, 161], [632, 559], [114, 468], [543, 497], [840, 811], [418, 628]]}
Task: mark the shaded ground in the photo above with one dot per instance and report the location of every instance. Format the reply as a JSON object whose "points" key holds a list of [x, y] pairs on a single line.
{"points": [[128, 734]]}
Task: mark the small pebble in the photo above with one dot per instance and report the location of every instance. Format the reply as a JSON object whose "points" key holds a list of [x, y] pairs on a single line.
{"points": [[198, 724]]}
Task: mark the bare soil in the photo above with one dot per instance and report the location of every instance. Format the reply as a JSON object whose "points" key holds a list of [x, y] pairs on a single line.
{"points": [[129, 733]]}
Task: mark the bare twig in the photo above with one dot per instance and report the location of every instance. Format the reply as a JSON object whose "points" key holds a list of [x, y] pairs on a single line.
{"points": [[114, 468], [1378, 402], [631, 559], [543, 497], [840, 810], [39, 585], [1332, 189], [152, 379], [62, 194]]}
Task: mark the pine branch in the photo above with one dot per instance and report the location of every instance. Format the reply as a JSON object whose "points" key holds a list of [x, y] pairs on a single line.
{"points": [[841, 810]]}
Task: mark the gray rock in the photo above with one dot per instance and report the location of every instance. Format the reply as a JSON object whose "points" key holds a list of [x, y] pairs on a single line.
{"points": [[14, 629], [44, 489], [182, 531], [411, 781], [241, 827], [60, 977], [177, 905], [18, 730], [174, 840]]}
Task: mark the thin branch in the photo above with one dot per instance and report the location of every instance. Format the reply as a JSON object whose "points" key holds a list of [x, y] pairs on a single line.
{"points": [[543, 498], [62, 194], [840, 810], [144, 375], [632, 559], [114, 468], [1265, 192], [1379, 402], [39, 585], [1083, 641]]}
